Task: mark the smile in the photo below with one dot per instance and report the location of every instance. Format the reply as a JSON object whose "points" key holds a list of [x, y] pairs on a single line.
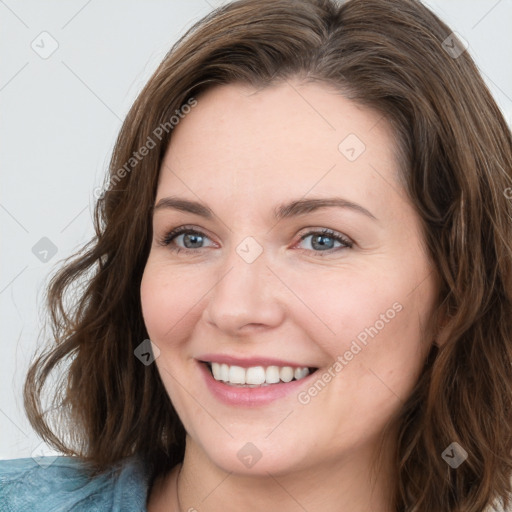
{"points": [[256, 375], [253, 382]]}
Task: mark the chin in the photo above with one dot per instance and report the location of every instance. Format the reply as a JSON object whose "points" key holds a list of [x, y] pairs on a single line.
{"points": [[255, 458]]}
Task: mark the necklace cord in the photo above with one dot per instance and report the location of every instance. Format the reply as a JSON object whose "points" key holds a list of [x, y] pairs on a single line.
{"points": [[178, 490]]}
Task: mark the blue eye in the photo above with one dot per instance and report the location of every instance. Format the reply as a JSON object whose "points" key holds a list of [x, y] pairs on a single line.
{"points": [[325, 239], [321, 242], [190, 236]]}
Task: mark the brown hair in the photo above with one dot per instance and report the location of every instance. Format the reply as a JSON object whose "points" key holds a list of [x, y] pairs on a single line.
{"points": [[391, 56]]}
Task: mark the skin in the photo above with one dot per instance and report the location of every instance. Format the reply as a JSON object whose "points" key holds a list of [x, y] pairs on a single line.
{"points": [[242, 152]]}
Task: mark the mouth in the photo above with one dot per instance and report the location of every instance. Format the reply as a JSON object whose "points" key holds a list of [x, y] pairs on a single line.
{"points": [[256, 376]]}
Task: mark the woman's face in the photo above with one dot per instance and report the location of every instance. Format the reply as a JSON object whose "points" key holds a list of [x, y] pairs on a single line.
{"points": [[256, 287]]}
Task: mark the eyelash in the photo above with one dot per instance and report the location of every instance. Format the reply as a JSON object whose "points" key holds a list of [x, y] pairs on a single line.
{"points": [[168, 238]]}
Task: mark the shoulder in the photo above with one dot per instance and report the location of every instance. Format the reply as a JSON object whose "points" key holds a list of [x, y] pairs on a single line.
{"points": [[65, 484]]}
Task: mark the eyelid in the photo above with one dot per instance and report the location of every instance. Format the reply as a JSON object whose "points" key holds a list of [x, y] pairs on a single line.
{"points": [[169, 236], [346, 242], [165, 240]]}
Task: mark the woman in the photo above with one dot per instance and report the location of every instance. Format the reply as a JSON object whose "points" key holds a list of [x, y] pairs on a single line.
{"points": [[307, 215]]}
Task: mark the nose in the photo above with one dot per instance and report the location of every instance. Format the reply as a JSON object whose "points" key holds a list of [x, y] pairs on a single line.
{"points": [[246, 297]]}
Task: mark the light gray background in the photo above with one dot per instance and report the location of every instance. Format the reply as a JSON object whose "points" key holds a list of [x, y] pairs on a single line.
{"points": [[60, 117]]}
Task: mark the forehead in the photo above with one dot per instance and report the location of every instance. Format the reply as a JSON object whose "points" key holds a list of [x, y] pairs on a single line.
{"points": [[288, 138]]}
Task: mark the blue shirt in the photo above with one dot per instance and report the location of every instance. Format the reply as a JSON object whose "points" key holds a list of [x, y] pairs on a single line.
{"points": [[61, 484]]}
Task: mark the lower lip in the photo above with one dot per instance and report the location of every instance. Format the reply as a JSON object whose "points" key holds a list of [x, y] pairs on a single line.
{"points": [[250, 397]]}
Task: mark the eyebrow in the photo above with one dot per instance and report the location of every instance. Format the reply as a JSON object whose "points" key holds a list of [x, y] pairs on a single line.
{"points": [[283, 211]]}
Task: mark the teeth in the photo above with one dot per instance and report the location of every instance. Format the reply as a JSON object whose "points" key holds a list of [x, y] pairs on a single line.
{"points": [[224, 372], [216, 370], [272, 375], [300, 373], [236, 375], [286, 373], [256, 375]]}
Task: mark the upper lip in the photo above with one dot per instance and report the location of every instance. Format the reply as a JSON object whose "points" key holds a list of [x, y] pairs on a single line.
{"points": [[248, 362]]}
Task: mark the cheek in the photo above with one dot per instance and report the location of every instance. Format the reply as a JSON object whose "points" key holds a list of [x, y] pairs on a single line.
{"points": [[167, 299], [339, 306], [153, 307], [372, 322], [374, 342]]}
